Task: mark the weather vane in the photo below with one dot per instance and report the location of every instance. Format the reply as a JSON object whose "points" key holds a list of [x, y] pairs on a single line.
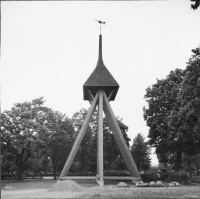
{"points": [[101, 22]]}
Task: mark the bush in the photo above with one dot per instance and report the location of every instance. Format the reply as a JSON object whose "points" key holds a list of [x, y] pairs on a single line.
{"points": [[182, 177], [8, 176], [94, 174], [147, 177], [195, 179], [14, 176], [81, 174], [47, 175], [33, 176], [154, 177]]}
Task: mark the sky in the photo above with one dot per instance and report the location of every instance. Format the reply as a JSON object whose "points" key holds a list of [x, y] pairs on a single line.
{"points": [[50, 48]]}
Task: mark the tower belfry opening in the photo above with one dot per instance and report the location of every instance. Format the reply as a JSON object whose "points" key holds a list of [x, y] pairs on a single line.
{"points": [[99, 89]]}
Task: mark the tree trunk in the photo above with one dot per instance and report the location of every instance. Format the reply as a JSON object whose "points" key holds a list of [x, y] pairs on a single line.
{"points": [[83, 157], [179, 155], [189, 165], [19, 166], [108, 169], [108, 161], [198, 168], [20, 162], [83, 163], [54, 168], [20, 169], [54, 172], [178, 160]]}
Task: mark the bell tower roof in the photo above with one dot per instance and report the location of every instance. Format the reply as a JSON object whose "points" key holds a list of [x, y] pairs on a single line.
{"points": [[100, 78]]}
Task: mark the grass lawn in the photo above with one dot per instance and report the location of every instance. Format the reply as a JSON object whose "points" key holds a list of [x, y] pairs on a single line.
{"points": [[37, 188], [47, 183], [28, 184]]}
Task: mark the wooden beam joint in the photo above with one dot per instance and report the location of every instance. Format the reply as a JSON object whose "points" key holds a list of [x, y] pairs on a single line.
{"points": [[90, 95], [109, 97]]}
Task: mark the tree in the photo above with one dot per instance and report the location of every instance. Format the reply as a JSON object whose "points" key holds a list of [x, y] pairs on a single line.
{"points": [[56, 138], [33, 165], [162, 99], [18, 132], [191, 163], [174, 111], [195, 5], [112, 155], [88, 149], [140, 151], [86, 155], [187, 117], [7, 164]]}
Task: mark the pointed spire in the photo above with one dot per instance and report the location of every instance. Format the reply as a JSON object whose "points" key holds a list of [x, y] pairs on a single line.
{"points": [[100, 78], [100, 60]]}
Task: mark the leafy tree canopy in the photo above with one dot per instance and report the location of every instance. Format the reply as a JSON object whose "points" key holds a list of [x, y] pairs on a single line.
{"points": [[173, 112], [140, 151], [187, 117], [88, 150], [19, 131], [195, 5]]}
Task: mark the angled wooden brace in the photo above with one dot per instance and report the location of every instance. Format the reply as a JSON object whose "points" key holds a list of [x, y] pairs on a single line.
{"points": [[109, 97], [79, 138], [126, 154]]}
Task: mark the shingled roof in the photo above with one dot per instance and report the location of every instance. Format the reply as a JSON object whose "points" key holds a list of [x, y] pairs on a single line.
{"points": [[100, 78]]}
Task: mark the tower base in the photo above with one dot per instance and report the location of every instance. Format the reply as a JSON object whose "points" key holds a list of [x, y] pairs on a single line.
{"points": [[103, 105]]}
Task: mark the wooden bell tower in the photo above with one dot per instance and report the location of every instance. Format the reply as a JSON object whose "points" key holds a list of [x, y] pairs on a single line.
{"points": [[99, 89]]}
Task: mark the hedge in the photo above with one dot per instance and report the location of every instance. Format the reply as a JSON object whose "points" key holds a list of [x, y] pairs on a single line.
{"points": [[14, 176]]}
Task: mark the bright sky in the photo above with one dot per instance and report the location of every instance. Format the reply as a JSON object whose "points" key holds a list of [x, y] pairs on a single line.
{"points": [[49, 48]]}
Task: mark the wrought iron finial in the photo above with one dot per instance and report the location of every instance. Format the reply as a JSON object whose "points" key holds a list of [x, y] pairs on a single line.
{"points": [[101, 22]]}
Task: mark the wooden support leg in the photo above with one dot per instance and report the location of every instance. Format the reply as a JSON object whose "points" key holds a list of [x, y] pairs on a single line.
{"points": [[100, 140], [126, 154], [79, 138], [97, 140]]}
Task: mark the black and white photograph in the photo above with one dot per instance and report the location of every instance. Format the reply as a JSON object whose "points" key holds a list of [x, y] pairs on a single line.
{"points": [[100, 99]]}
